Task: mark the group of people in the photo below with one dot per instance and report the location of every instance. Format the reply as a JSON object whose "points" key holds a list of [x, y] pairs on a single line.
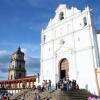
{"points": [[62, 84], [46, 85], [67, 85]]}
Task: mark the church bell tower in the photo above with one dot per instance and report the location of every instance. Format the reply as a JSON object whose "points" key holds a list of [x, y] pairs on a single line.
{"points": [[17, 66]]}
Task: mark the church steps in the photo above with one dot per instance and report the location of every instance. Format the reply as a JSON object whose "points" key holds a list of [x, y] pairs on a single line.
{"points": [[58, 94]]}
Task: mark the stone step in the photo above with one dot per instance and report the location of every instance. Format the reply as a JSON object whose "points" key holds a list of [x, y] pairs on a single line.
{"points": [[58, 95], [71, 95]]}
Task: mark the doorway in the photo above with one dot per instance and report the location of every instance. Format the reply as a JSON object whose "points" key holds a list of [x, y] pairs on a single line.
{"points": [[64, 69]]}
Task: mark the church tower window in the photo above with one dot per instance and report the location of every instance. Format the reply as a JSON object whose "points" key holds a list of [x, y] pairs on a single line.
{"points": [[20, 66], [61, 16], [85, 21], [12, 66], [20, 75], [11, 77]]}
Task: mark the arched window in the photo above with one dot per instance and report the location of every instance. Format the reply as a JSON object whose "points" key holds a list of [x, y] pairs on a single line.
{"points": [[20, 75], [19, 65], [11, 77], [12, 66], [61, 16], [85, 21]]}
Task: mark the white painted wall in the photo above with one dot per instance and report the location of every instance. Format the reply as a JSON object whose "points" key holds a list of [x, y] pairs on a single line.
{"points": [[98, 37], [78, 47]]}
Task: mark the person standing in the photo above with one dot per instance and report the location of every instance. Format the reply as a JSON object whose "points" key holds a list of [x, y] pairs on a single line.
{"points": [[3, 98], [36, 96], [49, 85]]}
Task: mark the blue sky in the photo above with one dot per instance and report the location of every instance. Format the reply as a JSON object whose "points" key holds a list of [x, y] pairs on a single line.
{"points": [[21, 22]]}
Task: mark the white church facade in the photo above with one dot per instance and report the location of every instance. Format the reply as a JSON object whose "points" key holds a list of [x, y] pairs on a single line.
{"points": [[69, 48]]}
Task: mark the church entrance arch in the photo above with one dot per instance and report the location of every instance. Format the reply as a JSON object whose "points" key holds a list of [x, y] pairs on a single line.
{"points": [[64, 69]]}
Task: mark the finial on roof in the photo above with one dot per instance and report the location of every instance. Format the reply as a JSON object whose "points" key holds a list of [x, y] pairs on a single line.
{"points": [[19, 48]]}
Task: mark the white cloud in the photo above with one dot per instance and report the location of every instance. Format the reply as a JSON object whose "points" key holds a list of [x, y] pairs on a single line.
{"points": [[35, 3], [32, 50], [24, 50], [3, 52], [4, 63], [32, 65], [4, 57], [3, 76]]}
